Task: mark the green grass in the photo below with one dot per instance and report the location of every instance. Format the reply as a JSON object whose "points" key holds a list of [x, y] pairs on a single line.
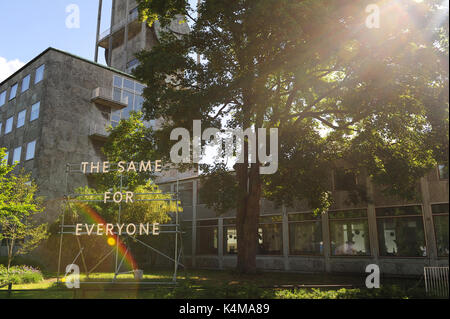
{"points": [[212, 284]]}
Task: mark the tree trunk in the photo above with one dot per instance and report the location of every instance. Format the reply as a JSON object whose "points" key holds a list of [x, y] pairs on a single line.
{"points": [[10, 253]]}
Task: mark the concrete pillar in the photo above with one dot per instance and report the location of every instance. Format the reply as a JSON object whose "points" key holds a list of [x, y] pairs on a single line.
{"points": [[220, 242], [285, 230], [144, 35], [97, 35], [110, 43], [194, 221], [430, 236], [125, 38], [372, 220], [326, 241]]}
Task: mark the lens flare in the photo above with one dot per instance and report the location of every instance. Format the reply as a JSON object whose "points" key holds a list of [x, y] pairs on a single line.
{"points": [[111, 241]]}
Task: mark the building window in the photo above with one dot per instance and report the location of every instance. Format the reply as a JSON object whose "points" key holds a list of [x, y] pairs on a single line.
{"points": [[207, 237], [21, 118], [30, 150], [39, 74], [35, 111], [349, 233], [400, 231], [305, 234], [133, 64], [270, 238], [26, 83], [17, 154], [127, 90], [5, 158], [186, 193], [440, 218], [344, 180], [229, 236], [13, 92], [1, 128], [2, 98], [9, 125], [443, 171]]}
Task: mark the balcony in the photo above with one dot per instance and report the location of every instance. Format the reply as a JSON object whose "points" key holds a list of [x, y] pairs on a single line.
{"points": [[98, 132], [104, 97], [117, 27]]}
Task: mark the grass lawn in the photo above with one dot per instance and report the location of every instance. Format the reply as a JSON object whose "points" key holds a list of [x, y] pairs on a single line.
{"points": [[212, 284]]}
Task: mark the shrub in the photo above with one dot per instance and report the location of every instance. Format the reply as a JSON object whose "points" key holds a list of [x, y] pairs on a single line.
{"points": [[20, 275]]}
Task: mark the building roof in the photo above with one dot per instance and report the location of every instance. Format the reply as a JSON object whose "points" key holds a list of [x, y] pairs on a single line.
{"points": [[68, 54]]}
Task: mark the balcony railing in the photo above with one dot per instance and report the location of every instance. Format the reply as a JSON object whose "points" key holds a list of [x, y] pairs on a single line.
{"points": [[98, 131], [105, 97], [118, 26]]}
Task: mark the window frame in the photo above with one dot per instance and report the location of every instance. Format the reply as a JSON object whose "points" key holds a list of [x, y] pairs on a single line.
{"points": [[14, 155], [41, 78], [439, 172], [38, 111], [16, 87], [306, 221], [330, 220], [402, 216], [3, 98], [434, 226], [34, 150], [214, 226], [23, 89], [12, 125], [24, 111]]}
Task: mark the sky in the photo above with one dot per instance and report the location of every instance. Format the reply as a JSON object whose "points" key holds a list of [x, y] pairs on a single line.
{"points": [[31, 26], [34, 25]]}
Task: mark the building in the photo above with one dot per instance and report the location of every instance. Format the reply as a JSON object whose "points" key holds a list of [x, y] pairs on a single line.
{"points": [[55, 109], [400, 236]]}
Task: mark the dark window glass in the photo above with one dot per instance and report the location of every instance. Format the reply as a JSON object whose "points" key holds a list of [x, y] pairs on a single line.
{"points": [[401, 232], [305, 238], [350, 237], [440, 218], [443, 171], [207, 237], [270, 239]]}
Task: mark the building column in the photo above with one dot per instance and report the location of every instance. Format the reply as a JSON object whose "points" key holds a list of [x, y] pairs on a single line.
{"points": [[326, 241], [372, 220], [125, 38], [194, 222], [110, 40], [430, 236], [144, 35], [285, 230], [220, 242]]}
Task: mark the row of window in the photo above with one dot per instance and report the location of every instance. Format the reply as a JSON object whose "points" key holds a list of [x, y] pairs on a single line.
{"points": [[39, 76], [17, 153], [343, 180], [21, 118], [400, 233]]}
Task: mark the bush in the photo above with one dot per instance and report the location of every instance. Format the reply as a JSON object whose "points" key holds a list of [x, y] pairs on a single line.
{"points": [[386, 292], [20, 275]]}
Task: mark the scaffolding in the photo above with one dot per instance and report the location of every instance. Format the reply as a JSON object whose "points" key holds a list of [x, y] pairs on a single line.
{"points": [[70, 230]]}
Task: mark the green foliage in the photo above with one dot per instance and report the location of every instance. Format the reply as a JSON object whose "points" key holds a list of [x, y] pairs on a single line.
{"points": [[19, 209], [385, 292], [20, 275], [308, 67]]}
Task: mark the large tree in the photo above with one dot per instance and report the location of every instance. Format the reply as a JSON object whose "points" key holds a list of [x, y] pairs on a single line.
{"points": [[334, 86]]}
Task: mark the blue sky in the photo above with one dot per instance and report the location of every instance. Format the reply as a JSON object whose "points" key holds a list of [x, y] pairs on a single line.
{"points": [[34, 25], [31, 26]]}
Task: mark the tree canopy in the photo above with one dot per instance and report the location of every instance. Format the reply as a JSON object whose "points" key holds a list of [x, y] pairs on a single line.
{"points": [[335, 89]]}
